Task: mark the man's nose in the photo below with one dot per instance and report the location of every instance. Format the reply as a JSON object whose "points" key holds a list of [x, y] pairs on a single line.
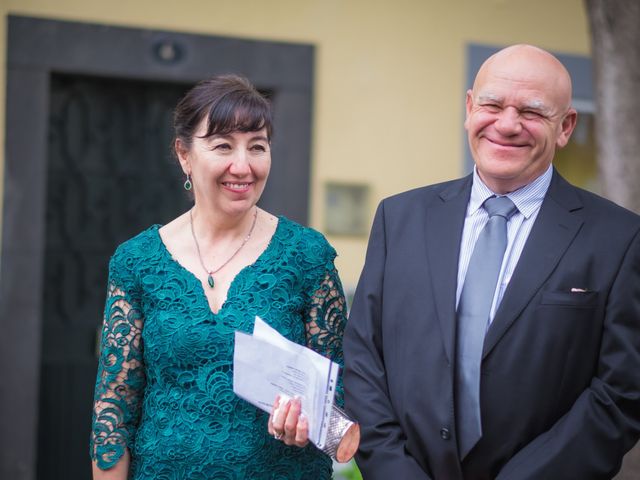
{"points": [[509, 121]]}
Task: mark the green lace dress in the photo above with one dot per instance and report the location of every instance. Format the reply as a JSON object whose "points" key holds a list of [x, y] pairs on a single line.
{"points": [[164, 388]]}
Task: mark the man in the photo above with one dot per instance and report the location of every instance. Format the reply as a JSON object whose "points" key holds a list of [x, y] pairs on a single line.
{"points": [[539, 376]]}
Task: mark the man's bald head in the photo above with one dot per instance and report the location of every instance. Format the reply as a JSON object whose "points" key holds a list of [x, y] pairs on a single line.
{"points": [[530, 62], [518, 113]]}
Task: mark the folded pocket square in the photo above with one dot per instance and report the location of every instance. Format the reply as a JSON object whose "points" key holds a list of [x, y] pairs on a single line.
{"points": [[573, 298]]}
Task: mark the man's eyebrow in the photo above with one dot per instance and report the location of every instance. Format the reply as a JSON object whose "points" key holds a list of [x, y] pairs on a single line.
{"points": [[535, 105], [488, 97]]}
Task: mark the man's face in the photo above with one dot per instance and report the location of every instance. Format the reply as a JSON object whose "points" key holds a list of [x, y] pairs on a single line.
{"points": [[517, 115]]}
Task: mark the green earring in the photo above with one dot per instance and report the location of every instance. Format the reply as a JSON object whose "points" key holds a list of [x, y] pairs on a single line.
{"points": [[187, 183]]}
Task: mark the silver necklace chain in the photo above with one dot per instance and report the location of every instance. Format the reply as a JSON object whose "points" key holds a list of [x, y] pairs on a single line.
{"points": [[210, 273]]}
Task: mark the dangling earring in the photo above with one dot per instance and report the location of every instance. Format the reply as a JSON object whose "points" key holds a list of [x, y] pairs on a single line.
{"points": [[187, 183]]}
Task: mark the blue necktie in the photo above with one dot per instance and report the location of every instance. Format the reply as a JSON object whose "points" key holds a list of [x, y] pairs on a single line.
{"points": [[474, 308]]}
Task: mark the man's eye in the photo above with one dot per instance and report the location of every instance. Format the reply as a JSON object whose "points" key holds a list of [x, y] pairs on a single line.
{"points": [[491, 107], [531, 115]]}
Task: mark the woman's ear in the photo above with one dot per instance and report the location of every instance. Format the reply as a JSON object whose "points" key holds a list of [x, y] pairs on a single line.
{"points": [[183, 156]]}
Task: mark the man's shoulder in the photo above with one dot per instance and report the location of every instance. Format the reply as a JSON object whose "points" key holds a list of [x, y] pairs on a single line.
{"points": [[428, 194], [596, 208]]}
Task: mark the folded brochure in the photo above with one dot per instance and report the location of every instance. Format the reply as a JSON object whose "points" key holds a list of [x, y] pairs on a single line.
{"points": [[267, 364]]}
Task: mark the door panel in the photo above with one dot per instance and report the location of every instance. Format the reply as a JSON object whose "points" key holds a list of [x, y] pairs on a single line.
{"points": [[110, 175]]}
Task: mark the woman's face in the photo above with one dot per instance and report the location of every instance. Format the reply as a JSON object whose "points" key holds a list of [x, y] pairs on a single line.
{"points": [[228, 172]]}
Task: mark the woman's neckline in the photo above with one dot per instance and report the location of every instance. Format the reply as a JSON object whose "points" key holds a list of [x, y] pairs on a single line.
{"points": [[232, 286]]}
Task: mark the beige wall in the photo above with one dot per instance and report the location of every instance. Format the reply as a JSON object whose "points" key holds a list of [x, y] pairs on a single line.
{"points": [[390, 75]]}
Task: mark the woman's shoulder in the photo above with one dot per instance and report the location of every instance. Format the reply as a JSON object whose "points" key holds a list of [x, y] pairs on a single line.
{"points": [[305, 239], [142, 245], [300, 232]]}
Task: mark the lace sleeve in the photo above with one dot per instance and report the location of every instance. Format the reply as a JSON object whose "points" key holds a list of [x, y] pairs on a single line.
{"points": [[326, 321], [120, 381]]}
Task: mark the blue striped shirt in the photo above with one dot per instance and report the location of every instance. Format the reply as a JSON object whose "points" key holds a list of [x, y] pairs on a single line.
{"points": [[528, 199]]}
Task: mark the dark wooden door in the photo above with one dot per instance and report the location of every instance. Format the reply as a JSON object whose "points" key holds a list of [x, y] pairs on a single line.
{"points": [[110, 175]]}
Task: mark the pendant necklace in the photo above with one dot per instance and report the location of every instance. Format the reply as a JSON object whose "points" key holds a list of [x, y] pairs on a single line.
{"points": [[210, 273]]}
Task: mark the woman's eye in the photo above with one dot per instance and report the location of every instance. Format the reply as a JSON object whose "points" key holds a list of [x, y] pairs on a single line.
{"points": [[259, 148], [222, 146]]}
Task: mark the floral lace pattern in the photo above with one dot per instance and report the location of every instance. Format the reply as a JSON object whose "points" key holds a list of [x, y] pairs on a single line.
{"points": [[164, 388]]}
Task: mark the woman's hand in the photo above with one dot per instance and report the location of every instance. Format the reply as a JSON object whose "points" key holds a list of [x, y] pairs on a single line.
{"points": [[287, 423], [120, 471]]}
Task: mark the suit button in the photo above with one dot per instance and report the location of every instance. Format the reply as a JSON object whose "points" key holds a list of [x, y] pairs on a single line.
{"points": [[444, 433]]}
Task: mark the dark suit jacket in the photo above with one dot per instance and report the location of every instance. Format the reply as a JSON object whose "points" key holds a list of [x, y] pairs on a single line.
{"points": [[560, 385]]}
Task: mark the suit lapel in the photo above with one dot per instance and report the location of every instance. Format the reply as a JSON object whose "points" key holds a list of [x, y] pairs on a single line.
{"points": [[444, 222], [553, 231]]}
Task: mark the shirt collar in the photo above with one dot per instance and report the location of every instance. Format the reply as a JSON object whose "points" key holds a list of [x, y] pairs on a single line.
{"points": [[528, 198]]}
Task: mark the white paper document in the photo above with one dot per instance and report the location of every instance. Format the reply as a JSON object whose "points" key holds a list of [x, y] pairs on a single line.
{"points": [[266, 364]]}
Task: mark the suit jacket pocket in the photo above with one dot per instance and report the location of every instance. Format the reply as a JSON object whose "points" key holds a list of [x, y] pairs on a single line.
{"points": [[570, 299]]}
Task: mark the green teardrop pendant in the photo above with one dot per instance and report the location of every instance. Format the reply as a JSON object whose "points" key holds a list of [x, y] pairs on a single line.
{"points": [[210, 281]]}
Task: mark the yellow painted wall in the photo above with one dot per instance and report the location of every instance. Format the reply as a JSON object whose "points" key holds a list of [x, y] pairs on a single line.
{"points": [[390, 75]]}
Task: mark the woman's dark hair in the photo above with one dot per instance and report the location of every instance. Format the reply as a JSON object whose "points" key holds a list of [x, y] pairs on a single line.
{"points": [[229, 103]]}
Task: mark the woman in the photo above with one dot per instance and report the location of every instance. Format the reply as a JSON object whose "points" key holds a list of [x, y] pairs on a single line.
{"points": [[164, 402]]}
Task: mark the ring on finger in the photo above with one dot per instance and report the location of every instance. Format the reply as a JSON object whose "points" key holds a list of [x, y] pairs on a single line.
{"points": [[277, 435]]}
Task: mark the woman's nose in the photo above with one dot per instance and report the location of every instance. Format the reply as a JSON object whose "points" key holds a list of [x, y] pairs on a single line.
{"points": [[240, 163]]}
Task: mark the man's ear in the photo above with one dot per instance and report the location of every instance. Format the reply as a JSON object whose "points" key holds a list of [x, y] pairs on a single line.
{"points": [[469, 106], [566, 128]]}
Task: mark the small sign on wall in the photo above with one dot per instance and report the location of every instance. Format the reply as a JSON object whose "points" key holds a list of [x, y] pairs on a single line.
{"points": [[346, 209]]}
